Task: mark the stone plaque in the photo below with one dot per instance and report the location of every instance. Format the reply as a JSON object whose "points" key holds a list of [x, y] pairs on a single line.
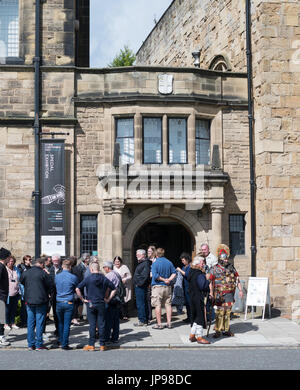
{"points": [[165, 84]]}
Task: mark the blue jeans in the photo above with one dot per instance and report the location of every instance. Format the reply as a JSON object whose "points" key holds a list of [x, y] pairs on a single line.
{"points": [[112, 322], [142, 304], [96, 316], [11, 309], [36, 316], [64, 312]]}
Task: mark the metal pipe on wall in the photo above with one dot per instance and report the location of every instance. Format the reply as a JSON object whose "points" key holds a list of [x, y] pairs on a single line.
{"points": [[251, 139], [36, 126]]}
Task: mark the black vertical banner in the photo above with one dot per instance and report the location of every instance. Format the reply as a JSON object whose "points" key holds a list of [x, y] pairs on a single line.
{"points": [[53, 197]]}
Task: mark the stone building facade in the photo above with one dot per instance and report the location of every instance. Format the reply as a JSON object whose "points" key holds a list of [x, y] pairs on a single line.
{"points": [[135, 217], [218, 29], [147, 110]]}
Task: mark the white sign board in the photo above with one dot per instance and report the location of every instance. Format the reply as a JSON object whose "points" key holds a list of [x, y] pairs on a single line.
{"points": [[53, 245], [258, 294]]}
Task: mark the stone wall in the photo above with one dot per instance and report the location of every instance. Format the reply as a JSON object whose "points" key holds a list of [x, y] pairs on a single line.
{"points": [[237, 191], [89, 154], [58, 92], [276, 40], [17, 116], [17, 93], [17, 217], [57, 32], [17, 184], [214, 26]]}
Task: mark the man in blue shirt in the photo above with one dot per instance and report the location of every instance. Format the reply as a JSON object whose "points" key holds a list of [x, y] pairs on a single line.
{"points": [[163, 272], [65, 289], [100, 290]]}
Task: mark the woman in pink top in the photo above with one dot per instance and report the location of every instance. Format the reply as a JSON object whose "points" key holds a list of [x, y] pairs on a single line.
{"points": [[126, 277], [12, 301]]}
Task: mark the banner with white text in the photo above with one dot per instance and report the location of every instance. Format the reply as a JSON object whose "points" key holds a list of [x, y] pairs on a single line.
{"points": [[53, 197]]}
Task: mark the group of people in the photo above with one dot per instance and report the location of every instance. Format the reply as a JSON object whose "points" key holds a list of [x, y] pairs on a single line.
{"points": [[205, 285], [202, 284], [65, 286]]}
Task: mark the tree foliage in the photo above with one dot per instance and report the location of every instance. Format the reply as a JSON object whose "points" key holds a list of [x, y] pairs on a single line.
{"points": [[126, 57]]}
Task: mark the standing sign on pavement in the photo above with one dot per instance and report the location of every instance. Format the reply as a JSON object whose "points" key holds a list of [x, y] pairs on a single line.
{"points": [[258, 294]]}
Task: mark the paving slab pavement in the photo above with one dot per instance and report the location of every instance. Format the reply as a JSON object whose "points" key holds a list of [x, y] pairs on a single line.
{"points": [[252, 332]]}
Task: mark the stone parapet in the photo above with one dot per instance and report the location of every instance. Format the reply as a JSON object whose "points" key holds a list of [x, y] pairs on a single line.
{"points": [[143, 83]]}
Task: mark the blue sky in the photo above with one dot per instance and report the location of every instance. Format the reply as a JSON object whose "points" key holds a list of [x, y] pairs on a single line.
{"points": [[116, 23]]}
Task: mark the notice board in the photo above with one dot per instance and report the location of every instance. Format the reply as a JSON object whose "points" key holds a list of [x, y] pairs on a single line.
{"points": [[258, 294]]}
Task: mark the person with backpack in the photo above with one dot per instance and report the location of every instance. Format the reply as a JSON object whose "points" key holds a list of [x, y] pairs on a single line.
{"points": [[112, 308]]}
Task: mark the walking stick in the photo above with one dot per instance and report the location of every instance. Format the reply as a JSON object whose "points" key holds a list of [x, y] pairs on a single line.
{"points": [[210, 316]]}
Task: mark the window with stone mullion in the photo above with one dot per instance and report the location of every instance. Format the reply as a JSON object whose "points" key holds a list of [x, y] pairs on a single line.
{"points": [[152, 140], [177, 140], [125, 138], [202, 141], [9, 29]]}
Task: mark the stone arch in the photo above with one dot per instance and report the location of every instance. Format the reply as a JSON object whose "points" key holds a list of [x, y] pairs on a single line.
{"points": [[186, 218], [220, 63]]}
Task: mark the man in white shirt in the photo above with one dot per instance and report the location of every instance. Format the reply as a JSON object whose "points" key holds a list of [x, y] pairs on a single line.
{"points": [[211, 259]]}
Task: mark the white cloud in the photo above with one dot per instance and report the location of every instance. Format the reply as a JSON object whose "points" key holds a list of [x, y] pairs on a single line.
{"points": [[121, 22]]}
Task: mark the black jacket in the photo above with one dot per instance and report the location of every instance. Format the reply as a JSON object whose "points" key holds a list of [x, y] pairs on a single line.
{"points": [[198, 289], [52, 273], [22, 267], [141, 277], [37, 285], [4, 283]]}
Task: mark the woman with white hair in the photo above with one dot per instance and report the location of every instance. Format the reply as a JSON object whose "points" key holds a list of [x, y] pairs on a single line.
{"points": [[198, 290]]}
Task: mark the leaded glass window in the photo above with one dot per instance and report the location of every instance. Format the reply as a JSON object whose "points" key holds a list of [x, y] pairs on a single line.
{"points": [[88, 233], [177, 140], [152, 140], [125, 137], [9, 29], [237, 234], [202, 141]]}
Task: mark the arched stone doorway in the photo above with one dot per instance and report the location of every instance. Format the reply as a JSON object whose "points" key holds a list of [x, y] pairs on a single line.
{"points": [[166, 233], [188, 222]]}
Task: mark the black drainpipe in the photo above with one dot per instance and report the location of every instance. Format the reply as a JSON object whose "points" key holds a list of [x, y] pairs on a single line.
{"points": [[251, 151], [36, 126]]}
